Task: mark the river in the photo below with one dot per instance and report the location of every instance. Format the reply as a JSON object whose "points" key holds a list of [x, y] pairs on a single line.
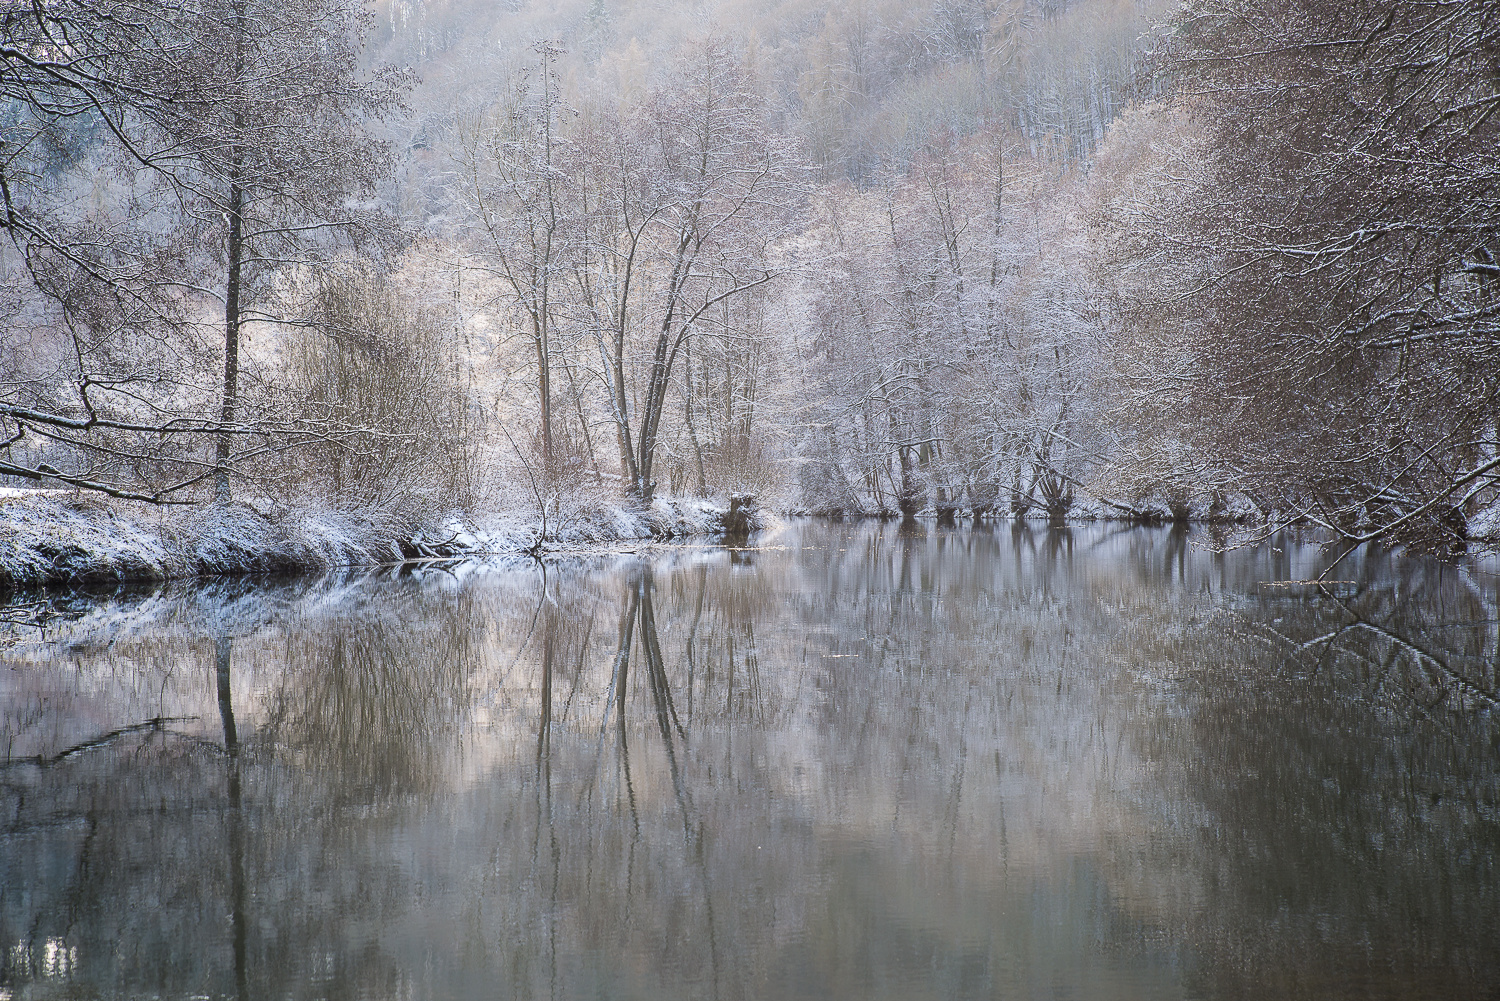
{"points": [[851, 761]]}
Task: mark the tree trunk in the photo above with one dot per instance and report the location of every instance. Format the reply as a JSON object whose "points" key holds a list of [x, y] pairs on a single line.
{"points": [[544, 388], [231, 344], [687, 416], [656, 387]]}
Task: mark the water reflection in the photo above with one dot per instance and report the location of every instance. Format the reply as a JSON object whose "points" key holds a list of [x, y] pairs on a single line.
{"points": [[223, 654], [858, 761]]}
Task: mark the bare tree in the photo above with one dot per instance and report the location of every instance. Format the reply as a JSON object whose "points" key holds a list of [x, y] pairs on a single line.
{"points": [[273, 153], [519, 189], [955, 348], [90, 354], [686, 195], [233, 136], [1329, 263]]}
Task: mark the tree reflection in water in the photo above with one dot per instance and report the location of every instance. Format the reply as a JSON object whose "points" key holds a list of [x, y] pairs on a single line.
{"points": [[873, 761], [223, 653]]}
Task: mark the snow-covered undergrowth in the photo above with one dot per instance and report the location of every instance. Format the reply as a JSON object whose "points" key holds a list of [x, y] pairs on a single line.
{"points": [[64, 537], [67, 538], [1484, 525], [581, 527], [58, 537]]}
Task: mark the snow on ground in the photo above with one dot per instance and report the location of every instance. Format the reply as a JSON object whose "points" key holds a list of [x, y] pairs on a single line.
{"points": [[62, 537], [52, 537], [1485, 524], [457, 534], [66, 537]]}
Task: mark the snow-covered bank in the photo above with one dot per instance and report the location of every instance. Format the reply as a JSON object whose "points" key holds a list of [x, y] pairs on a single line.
{"points": [[62, 537], [58, 537], [1150, 509], [1233, 517], [459, 535]]}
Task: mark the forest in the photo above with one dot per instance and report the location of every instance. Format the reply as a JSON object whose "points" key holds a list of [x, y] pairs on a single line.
{"points": [[735, 499], [1140, 259]]}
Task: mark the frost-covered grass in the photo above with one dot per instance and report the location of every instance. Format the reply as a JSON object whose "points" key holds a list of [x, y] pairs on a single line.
{"points": [[59, 537]]}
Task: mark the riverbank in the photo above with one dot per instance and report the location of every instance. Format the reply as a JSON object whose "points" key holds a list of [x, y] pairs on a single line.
{"points": [[1151, 510], [62, 537], [1234, 517]]}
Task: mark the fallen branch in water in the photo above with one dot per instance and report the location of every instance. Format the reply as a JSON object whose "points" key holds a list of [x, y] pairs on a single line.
{"points": [[157, 724]]}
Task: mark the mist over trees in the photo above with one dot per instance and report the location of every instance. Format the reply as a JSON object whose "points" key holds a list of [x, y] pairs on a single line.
{"points": [[967, 257]]}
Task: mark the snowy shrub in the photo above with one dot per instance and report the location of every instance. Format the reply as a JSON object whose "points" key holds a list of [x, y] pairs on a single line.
{"points": [[378, 362]]}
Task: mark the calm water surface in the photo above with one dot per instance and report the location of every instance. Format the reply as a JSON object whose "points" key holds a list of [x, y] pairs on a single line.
{"points": [[856, 762]]}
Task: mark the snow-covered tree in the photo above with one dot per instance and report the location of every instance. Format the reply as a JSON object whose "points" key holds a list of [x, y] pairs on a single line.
{"points": [[1328, 258], [221, 145]]}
